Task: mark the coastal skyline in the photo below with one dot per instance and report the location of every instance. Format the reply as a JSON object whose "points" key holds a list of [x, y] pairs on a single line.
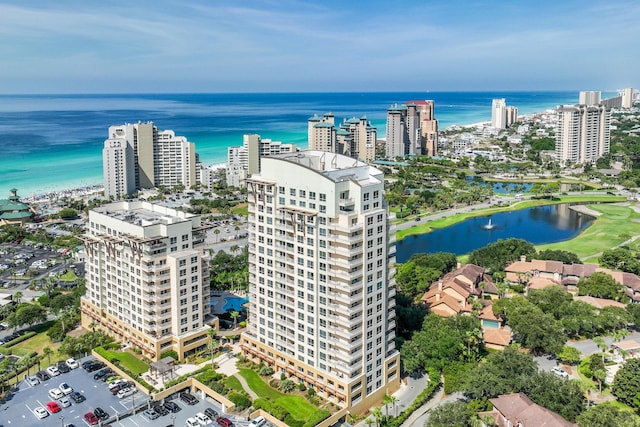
{"points": [[295, 46]]}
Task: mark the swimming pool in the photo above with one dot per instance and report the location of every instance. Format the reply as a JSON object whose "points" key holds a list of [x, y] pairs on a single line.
{"points": [[234, 303]]}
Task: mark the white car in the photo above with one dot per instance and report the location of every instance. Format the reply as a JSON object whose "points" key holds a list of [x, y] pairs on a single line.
{"points": [[55, 393], [40, 412], [202, 419], [191, 422], [72, 363], [125, 392], [65, 402], [112, 384], [560, 372], [64, 388], [53, 371], [33, 381]]}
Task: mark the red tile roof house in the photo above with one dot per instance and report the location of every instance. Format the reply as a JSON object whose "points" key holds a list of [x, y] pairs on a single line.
{"points": [[537, 274], [517, 410]]}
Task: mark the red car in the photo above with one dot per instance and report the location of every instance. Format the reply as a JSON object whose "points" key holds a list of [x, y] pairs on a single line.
{"points": [[91, 418], [53, 407], [224, 422]]}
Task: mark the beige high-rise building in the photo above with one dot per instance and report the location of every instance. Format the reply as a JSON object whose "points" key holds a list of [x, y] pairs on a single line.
{"points": [[411, 129], [582, 133], [147, 277], [499, 113], [321, 267], [244, 161], [353, 137], [627, 97], [154, 158], [511, 115], [589, 97]]}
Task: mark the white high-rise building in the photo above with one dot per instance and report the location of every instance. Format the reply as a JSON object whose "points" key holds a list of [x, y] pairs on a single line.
{"points": [[499, 113], [627, 97], [582, 133], [354, 137], [397, 137], [589, 97], [147, 278], [245, 160], [154, 158], [321, 267]]}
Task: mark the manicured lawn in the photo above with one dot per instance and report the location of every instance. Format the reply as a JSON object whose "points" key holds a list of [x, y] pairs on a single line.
{"points": [[37, 343], [128, 360], [241, 209], [616, 225], [234, 384], [69, 276], [297, 406]]}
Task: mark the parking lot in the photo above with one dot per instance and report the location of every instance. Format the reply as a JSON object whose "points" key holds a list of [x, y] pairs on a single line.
{"points": [[20, 409], [19, 259]]}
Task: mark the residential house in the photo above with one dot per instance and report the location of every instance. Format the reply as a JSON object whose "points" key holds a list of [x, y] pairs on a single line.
{"points": [[517, 410]]}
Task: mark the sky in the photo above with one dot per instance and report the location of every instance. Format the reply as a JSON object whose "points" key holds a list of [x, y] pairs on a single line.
{"points": [[173, 46]]}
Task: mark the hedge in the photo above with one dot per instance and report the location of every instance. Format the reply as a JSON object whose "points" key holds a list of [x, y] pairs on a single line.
{"points": [[421, 399], [20, 339], [276, 410], [241, 401], [316, 418]]}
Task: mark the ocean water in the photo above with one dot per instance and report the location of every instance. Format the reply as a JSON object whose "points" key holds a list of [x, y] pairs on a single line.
{"points": [[54, 142]]}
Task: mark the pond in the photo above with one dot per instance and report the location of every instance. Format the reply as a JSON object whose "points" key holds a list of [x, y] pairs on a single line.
{"points": [[538, 225], [502, 187]]}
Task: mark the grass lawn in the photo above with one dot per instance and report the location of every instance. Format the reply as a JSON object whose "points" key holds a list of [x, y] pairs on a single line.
{"points": [[297, 406], [68, 276], [241, 209], [128, 360], [233, 383], [616, 225], [427, 227]]}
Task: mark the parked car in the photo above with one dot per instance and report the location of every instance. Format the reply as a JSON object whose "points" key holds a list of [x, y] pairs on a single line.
{"points": [[191, 422], [258, 421], [160, 409], [560, 372], [102, 373], [101, 413], [202, 419], [126, 392], [224, 422], [40, 412], [150, 414], [64, 388], [55, 393], [188, 398], [94, 366], [32, 380], [72, 363], [172, 407], [53, 371], [209, 412], [77, 397], [86, 363], [114, 383], [65, 402], [62, 367], [91, 418], [53, 407], [42, 376]]}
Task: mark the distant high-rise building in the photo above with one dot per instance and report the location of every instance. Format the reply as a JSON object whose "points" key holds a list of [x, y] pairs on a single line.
{"points": [[243, 161], [512, 115], [589, 97], [139, 156], [582, 132], [627, 97], [499, 113], [353, 137], [147, 277], [321, 267], [411, 129]]}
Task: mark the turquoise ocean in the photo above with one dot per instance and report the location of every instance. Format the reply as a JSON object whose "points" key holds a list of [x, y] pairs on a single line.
{"points": [[54, 142]]}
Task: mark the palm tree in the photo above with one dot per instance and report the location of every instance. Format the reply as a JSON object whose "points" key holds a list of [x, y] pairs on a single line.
{"points": [[216, 232], [17, 296], [386, 399], [377, 413], [600, 375], [599, 341], [47, 352], [213, 343], [234, 249], [369, 422], [234, 315], [394, 401]]}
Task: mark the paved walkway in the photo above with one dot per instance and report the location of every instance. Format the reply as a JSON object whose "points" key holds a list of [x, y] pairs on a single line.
{"points": [[246, 387]]}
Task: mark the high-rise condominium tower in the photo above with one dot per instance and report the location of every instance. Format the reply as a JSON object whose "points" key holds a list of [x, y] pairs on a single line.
{"points": [[138, 156], [411, 129], [582, 132], [499, 113], [589, 97], [353, 137], [321, 256], [245, 160], [147, 279]]}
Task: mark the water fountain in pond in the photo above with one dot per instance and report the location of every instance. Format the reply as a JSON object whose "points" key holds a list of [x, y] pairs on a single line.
{"points": [[489, 225]]}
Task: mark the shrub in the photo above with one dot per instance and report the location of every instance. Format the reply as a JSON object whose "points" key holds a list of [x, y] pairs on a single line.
{"points": [[170, 353], [265, 371], [240, 400], [20, 339], [287, 386], [292, 422], [302, 387], [454, 376], [272, 408], [311, 392]]}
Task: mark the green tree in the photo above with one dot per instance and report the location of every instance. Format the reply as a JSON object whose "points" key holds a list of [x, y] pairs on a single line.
{"points": [[608, 415], [27, 314], [495, 256], [626, 383], [17, 296], [451, 414], [565, 257], [620, 259], [569, 355], [47, 352], [565, 397], [601, 285]]}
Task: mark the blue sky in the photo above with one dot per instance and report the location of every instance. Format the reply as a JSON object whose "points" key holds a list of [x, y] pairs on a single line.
{"points": [[68, 46]]}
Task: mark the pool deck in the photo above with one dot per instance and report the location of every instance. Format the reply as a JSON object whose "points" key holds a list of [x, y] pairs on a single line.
{"points": [[219, 298]]}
